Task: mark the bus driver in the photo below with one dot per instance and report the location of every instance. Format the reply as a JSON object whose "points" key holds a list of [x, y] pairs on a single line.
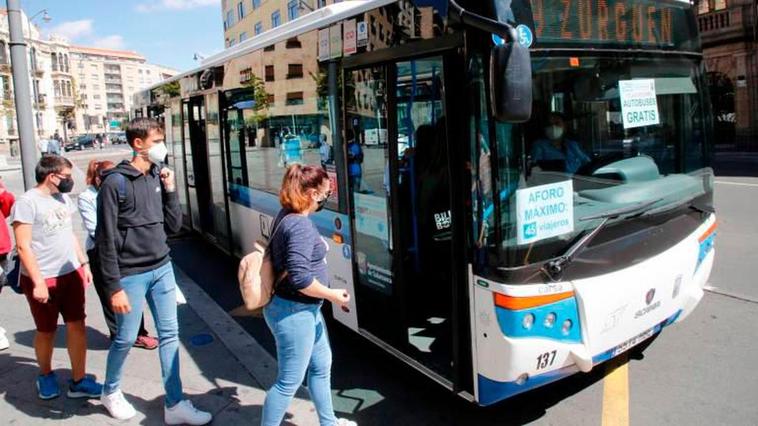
{"points": [[556, 152]]}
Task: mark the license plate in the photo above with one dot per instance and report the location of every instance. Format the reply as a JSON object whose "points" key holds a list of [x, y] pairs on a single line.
{"points": [[632, 342]]}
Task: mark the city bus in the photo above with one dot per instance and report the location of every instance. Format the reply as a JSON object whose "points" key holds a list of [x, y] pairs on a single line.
{"points": [[520, 189]]}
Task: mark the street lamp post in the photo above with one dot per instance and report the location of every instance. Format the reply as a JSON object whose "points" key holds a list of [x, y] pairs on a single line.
{"points": [[21, 93]]}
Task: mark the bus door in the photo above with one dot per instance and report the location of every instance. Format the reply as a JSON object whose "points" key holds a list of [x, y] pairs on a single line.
{"points": [[196, 154], [396, 147], [237, 137]]}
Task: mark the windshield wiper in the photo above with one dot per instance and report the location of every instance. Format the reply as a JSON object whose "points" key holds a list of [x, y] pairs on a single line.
{"points": [[555, 267], [690, 202]]}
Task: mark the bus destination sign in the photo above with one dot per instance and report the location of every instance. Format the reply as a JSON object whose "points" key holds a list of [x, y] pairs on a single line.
{"points": [[606, 21]]}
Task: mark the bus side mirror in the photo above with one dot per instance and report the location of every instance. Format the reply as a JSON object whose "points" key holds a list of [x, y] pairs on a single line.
{"points": [[511, 83]]}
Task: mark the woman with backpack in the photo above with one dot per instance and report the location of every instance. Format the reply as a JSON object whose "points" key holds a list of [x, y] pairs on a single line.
{"points": [[298, 255], [87, 203]]}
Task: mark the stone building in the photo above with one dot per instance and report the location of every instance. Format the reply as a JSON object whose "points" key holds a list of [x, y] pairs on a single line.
{"points": [[730, 45]]}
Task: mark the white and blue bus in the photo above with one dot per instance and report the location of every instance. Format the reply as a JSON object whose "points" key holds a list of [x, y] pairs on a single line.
{"points": [[521, 188]]}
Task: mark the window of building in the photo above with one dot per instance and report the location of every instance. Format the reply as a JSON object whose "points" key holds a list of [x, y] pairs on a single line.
{"points": [[269, 48], [96, 87], [98, 106], [57, 88], [246, 75], [95, 96], [276, 19], [256, 4], [3, 53], [258, 28], [95, 76], [54, 60], [295, 98], [719, 4], [703, 6], [240, 11], [229, 19], [294, 43], [243, 36], [269, 73], [321, 3], [295, 71], [292, 9], [270, 99]]}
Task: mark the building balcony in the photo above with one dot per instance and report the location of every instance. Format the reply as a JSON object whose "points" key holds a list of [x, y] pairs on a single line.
{"points": [[113, 81], [64, 101], [38, 72], [723, 26]]}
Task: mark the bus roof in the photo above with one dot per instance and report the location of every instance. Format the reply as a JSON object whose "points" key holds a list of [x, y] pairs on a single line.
{"points": [[319, 18]]}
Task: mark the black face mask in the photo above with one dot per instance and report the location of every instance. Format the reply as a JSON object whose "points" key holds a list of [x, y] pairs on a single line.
{"points": [[321, 204], [66, 185]]}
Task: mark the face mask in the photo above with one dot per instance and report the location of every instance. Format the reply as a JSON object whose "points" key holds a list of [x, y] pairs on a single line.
{"points": [[321, 204], [65, 185], [157, 153], [554, 132]]}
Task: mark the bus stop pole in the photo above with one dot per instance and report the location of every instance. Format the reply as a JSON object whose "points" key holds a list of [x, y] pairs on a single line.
{"points": [[22, 96]]}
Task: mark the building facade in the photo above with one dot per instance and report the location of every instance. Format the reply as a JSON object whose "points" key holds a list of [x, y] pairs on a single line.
{"points": [[106, 81], [47, 62], [74, 89], [730, 45]]}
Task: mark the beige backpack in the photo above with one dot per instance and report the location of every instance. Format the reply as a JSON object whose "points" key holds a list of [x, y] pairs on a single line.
{"points": [[256, 274]]}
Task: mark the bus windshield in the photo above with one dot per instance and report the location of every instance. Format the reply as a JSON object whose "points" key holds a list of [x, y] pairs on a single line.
{"points": [[606, 134]]}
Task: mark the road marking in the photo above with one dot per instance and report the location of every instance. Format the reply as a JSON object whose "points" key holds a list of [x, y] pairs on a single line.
{"points": [[715, 290], [616, 392], [724, 182]]}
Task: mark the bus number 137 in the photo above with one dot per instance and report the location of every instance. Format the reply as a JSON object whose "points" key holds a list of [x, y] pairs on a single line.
{"points": [[545, 360]]}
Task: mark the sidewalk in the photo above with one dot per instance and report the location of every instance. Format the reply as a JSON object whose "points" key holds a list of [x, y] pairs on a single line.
{"points": [[213, 377]]}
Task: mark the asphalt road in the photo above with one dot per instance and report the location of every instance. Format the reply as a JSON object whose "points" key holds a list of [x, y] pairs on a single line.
{"points": [[697, 372]]}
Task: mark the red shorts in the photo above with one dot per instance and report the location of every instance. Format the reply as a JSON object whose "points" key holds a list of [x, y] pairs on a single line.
{"points": [[66, 298]]}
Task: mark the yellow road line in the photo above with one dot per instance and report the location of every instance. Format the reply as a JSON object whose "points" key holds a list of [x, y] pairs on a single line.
{"points": [[616, 393]]}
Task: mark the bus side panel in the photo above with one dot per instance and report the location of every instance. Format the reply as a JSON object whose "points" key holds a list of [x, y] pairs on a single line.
{"points": [[252, 214]]}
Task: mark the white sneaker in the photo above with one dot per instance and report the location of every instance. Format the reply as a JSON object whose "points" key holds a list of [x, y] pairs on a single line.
{"points": [[345, 422], [118, 406], [4, 344], [185, 413]]}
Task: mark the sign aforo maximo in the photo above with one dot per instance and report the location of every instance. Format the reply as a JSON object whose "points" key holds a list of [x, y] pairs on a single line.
{"points": [[544, 211]]}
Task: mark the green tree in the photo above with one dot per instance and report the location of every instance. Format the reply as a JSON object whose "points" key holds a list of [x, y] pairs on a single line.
{"points": [[262, 101]]}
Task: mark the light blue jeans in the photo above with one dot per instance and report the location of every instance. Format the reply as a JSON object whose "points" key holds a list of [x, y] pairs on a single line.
{"points": [[158, 287], [302, 346]]}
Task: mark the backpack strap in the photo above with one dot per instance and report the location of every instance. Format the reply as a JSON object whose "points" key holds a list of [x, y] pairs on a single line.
{"points": [[121, 187]]}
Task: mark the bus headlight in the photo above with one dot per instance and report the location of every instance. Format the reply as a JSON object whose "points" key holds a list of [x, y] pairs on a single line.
{"points": [[550, 320], [566, 327], [528, 321]]}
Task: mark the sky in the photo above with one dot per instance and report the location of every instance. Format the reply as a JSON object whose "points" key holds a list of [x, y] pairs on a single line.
{"points": [[166, 32]]}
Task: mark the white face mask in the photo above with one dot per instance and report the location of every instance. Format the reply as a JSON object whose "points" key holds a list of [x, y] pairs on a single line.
{"points": [[157, 153], [554, 132]]}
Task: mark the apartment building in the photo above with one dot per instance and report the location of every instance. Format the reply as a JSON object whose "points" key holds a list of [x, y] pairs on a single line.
{"points": [[106, 81], [47, 62]]}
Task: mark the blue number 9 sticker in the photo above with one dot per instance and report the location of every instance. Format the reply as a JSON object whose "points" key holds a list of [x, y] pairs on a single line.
{"points": [[525, 36]]}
